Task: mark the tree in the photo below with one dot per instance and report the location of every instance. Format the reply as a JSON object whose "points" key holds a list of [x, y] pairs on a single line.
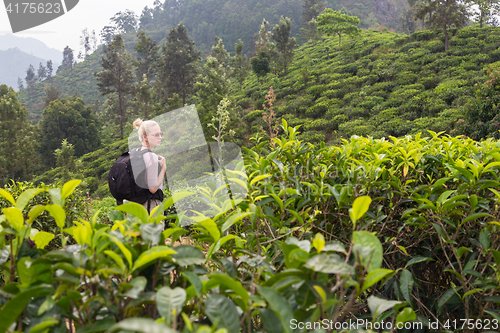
{"points": [[116, 77], [49, 69], [264, 37], [177, 67], [68, 60], [442, 14], [240, 63], [17, 157], [211, 87], [310, 11], [30, 77], [284, 44], [219, 52], [487, 10], [41, 73], [143, 96], [260, 64], [333, 22], [107, 34], [125, 22], [70, 119], [85, 42], [147, 56], [20, 84], [51, 94]]}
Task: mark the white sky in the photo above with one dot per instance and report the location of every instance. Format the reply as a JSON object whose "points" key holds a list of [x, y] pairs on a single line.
{"points": [[66, 30]]}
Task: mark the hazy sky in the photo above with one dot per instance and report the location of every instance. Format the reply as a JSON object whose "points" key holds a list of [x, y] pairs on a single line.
{"points": [[66, 30]]}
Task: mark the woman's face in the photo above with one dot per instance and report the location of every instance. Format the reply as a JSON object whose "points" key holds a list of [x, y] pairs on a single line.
{"points": [[154, 136]]}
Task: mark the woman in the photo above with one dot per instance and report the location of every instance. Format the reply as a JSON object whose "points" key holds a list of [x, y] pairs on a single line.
{"points": [[150, 136]]}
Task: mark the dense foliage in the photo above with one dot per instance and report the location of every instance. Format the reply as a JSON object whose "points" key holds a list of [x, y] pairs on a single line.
{"points": [[398, 230]]}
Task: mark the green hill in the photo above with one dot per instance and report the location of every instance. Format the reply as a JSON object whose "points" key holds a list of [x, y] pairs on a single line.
{"points": [[79, 80], [382, 84]]}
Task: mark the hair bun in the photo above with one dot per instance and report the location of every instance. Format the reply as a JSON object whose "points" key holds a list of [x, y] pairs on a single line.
{"points": [[137, 123]]}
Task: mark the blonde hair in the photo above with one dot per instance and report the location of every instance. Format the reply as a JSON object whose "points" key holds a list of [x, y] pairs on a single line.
{"points": [[143, 127]]}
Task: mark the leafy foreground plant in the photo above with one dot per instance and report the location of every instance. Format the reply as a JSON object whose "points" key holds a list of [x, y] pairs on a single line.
{"points": [[116, 274]]}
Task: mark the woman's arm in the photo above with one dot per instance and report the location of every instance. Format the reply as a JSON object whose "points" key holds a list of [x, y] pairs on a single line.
{"points": [[159, 180]]}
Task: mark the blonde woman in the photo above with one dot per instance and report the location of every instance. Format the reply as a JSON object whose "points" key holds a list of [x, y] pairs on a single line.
{"points": [[152, 177]]}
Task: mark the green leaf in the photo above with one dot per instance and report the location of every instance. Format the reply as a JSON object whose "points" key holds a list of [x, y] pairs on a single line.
{"points": [[55, 196], [279, 305], [212, 229], [494, 314], [152, 254], [374, 277], [15, 306], [25, 270], [26, 196], [15, 217], [374, 255], [151, 233], [98, 326], [379, 305], [270, 321], [484, 239], [126, 252], [42, 239], [222, 312], [232, 284], [278, 200], [195, 281], [417, 260], [462, 250], [407, 314], [35, 212], [136, 210], [329, 264], [69, 187], [475, 217], [117, 259], [188, 255], [7, 196], [406, 285], [446, 297], [46, 323], [141, 325], [169, 302], [359, 208], [496, 255], [58, 214], [319, 242], [258, 178], [233, 219]]}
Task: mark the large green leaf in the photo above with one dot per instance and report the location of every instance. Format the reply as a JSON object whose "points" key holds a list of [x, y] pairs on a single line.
{"points": [[406, 285], [169, 302], [188, 255], [374, 277], [151, 233], [371, 259], [44, 325], [221, 310], [69, 187], [141, 325], [135, 209], [359, 208], [232, 284], [212, 229], [57, 213], [126, 252], [270, 321], [279, 305], [15, 217], [379, 305], [195, 281], [12, 310], [42, 239], [8, 196], [152, 254], [26, 196], [329, 263]]}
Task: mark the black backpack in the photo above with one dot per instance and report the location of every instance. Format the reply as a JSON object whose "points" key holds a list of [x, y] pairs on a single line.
{"points": [[122, 184]]}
